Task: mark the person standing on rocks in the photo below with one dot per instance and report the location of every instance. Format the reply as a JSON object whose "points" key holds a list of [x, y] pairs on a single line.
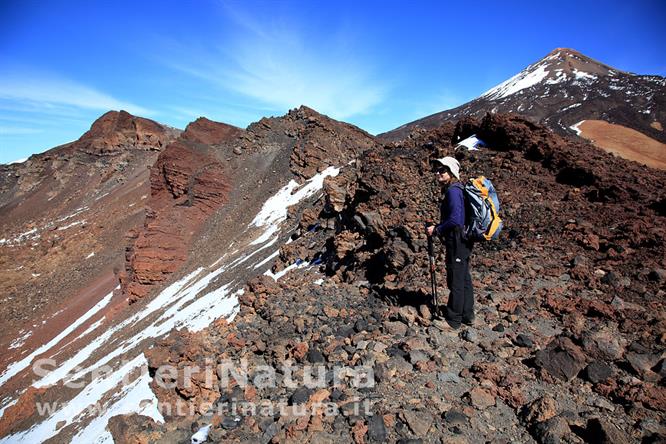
{"points": [[460, 306]]}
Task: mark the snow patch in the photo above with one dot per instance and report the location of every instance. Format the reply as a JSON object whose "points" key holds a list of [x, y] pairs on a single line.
{"points": [[102, 195], [560, 76], [71, 215], [576, 128], [91, 328], [582, 75], [73, 224], [520, 81], [267, 260], [274, 210], [280, 274], [18, 342], [575, 105], [137, 397], [6, 406], [472, 143], [16, 367], [125, 401]]}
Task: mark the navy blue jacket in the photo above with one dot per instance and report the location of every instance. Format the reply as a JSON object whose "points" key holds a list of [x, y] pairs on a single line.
{"points": [[452, 210]]}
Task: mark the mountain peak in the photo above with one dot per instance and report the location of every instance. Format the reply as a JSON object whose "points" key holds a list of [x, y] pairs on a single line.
{"points": [[570, 61], [115, 130], [562, 89], [562, 65], [209, 132]]}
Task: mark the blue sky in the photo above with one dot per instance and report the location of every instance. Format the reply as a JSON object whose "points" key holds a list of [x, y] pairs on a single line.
{"points": [[376, 64]]}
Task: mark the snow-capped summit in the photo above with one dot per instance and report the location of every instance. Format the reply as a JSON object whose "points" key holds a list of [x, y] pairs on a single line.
{"points": [[562, 89], [561, 66]]}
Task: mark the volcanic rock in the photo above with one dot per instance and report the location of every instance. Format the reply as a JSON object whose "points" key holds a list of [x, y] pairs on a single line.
{"points": [[561, 358]]}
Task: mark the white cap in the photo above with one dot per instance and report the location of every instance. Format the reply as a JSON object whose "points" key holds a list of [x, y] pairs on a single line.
{"points": [[452, 164]]}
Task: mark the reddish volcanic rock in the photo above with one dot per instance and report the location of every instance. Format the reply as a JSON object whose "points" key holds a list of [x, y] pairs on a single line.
{"points": [[208, 132], [77, 200], [187, 186], [118, 130], [23, 409], [136, 429]]}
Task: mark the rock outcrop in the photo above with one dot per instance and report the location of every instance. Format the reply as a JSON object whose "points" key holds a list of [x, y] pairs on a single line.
{"points": [[187, 184], [116, 131], [190, 181]]}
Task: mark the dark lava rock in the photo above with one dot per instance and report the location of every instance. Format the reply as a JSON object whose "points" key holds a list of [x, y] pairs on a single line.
{"points": [[604, 432], [338, 395], [498, 328], [552, 431], [361, 325], [657, 275], [561, 358], [315, 356], [524, 341], [642, 363], [230, 422], [598, 371], [270, 432], [376, 429], [300, 396], [470, 336], [660, 369], [345, 331], [609, 278], [455, 418]]}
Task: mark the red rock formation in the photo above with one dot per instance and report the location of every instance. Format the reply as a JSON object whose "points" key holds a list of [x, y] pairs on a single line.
{"points": [[118, 130], [208, 132], [187, 186], [23, 409], [95, 187]]}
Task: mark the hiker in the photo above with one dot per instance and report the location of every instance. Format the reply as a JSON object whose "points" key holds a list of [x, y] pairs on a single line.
{"points": [[460, 306]]}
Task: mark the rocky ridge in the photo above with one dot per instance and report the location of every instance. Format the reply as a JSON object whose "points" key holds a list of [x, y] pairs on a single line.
{"points": [[568, 345], [187, 184], [212, 163], [64, 210], [223, 249]]}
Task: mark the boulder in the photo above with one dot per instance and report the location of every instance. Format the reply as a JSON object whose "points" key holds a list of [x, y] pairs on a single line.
{"points": [[561, 358]]}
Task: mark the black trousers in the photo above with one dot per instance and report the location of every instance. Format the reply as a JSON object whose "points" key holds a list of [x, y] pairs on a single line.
{"points": [[460, 307]]}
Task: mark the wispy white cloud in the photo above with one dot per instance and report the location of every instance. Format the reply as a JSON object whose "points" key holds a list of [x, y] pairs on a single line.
{"points": [[18, 131], [45, 91], [278, 65]]}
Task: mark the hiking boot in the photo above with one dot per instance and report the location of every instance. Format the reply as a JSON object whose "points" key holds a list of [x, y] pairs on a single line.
{"points": [[445, 327], [470, 322]]}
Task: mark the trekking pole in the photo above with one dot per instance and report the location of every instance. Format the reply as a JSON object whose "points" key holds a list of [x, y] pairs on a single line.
{"points": [[433, 277]]}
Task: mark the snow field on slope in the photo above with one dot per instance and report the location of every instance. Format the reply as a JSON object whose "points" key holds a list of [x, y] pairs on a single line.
{"points": [[520, 81], [182, 304]]}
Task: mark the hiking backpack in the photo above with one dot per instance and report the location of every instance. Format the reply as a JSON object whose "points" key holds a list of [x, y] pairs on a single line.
{"points": [[482, 207]]}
